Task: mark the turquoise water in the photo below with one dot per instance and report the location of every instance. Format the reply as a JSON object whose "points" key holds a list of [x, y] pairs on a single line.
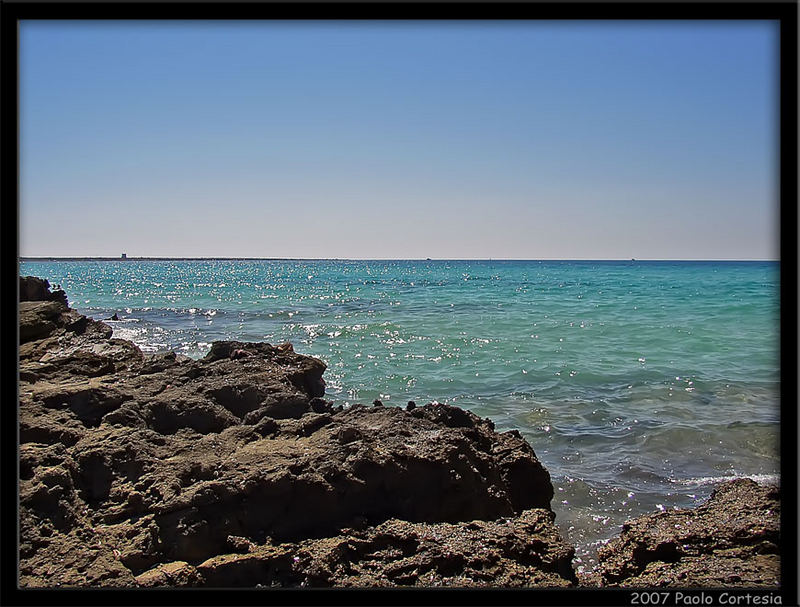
{"points": [[639, 384]]}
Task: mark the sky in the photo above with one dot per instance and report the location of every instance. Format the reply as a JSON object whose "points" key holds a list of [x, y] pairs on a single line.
{"points": [[460, 140]]}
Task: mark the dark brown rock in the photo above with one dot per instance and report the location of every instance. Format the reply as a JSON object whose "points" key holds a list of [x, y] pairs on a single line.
{"points": [[32, 288], [38, 319], [521, 551], [731, 540]]}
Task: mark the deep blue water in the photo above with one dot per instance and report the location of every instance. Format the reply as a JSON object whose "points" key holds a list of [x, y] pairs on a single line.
{"points": [[639, 384]]}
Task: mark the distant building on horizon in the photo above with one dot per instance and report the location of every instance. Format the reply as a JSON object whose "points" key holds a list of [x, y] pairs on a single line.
{"points": [[124, 256]]}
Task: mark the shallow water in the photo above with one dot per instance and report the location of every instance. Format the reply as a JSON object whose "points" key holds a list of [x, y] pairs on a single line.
{"points": [[639, 384]]}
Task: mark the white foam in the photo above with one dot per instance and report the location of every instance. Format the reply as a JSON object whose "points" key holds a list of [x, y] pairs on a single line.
{"points": [[761, 479]]}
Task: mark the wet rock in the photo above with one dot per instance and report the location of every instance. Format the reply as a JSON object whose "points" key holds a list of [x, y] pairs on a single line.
{"points": [[731, 540]]}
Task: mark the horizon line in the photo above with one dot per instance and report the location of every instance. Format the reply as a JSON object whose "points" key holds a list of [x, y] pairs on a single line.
{"points": [[227, 258]]}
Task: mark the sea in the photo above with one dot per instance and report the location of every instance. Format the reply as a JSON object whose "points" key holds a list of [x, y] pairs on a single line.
{"points": [[639, 384]]}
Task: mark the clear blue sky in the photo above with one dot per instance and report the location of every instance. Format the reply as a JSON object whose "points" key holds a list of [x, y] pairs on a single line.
{"points": [[533, 140]]}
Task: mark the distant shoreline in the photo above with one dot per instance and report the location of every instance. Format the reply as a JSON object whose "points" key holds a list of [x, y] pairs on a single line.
{"points": [[125, 259]]}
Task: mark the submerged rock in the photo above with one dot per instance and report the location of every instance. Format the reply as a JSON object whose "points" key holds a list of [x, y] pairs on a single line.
{"points": [[143, 470], [731, 540]]}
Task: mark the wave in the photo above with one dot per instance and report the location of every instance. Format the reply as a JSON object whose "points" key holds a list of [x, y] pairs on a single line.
{"points": [[761, 479]]}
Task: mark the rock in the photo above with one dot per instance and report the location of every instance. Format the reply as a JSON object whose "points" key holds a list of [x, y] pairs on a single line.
{"points": [[522, 551], [303, 372], [348, 435], [269, 566], [731, 540], [38, 320], [320, 405], [240, 544], [151, 470], [154, 363], [32, 288], [44, 314], [178, 573]]}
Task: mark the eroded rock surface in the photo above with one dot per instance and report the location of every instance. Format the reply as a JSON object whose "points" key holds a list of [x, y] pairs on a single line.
{"points": [[731, 540], [143, 470], [400, 553]]}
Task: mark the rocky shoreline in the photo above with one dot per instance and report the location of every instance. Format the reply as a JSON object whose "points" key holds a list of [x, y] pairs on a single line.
{"points": [[234, 471]]}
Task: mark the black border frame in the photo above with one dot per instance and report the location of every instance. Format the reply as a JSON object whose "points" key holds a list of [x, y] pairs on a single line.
{"points": [[784, 12]]}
